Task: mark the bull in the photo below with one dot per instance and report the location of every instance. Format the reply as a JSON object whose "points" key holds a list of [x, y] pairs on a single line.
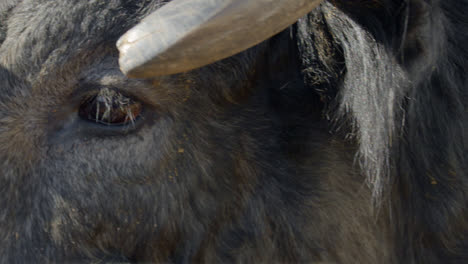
{"points": [[233, 131]]}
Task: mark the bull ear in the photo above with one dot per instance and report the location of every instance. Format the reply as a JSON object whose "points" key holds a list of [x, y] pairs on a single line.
{"points": [[187, 34]]}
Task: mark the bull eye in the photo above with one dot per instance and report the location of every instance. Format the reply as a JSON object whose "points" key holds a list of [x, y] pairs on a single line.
{"points": [[109, 107]]}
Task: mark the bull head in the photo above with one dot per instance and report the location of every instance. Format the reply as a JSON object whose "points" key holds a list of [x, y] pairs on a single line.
{"points": [[187, 34]]}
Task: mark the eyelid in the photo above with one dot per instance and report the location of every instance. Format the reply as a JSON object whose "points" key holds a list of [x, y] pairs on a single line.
{"points": [[86, 90], [139, 90]]}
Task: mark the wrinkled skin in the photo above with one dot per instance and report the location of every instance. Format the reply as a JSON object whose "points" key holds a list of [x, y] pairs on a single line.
{"points": [[251, 159]]}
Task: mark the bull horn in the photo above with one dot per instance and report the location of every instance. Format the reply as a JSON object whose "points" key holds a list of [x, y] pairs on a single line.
{"points": [[187, 34]]}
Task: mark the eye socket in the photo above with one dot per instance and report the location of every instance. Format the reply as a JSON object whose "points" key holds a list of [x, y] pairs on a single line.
{"points": [[109, 107]]}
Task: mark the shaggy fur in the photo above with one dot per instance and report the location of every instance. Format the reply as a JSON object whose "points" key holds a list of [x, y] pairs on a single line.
{"points": [[340, 140]]}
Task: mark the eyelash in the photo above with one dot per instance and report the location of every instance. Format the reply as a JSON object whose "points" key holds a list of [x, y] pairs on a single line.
{"points": [[110, 107]]}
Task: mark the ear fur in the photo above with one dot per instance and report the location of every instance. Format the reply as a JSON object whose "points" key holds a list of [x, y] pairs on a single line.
{"points": [[405, 106]]}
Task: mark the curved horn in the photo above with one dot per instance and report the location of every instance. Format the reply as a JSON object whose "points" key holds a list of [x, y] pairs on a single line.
{"points": [[187, 34]]}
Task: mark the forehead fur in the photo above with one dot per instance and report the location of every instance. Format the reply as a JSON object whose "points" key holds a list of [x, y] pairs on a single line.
{"points": [[50, 32]]}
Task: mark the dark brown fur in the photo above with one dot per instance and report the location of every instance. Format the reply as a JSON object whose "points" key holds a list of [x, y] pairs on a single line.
{"points": [[340, 140]]}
